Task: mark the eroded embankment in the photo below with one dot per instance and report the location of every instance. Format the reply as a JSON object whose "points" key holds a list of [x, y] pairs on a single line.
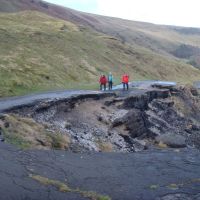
{"points": [[119, 121]]}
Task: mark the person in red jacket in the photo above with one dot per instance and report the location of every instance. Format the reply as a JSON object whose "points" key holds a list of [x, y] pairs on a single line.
{"points": [[125, 80], [103, 82]]}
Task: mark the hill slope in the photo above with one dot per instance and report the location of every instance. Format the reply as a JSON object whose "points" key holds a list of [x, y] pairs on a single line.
{"points": [[40, 52], [179, 42]]}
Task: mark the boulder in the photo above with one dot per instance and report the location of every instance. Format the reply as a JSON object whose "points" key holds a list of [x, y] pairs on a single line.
{"points": [[172, 140]]}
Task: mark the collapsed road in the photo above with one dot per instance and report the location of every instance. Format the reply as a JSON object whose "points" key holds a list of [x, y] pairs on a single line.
{"points": [[10, 102], [148, 138]]}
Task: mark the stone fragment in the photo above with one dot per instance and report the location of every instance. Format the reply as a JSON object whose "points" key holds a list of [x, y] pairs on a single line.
{"points": [[172, 140]]}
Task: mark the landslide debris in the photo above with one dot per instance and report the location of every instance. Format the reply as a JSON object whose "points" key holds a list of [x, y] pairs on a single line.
{"points": [[123, 121]]}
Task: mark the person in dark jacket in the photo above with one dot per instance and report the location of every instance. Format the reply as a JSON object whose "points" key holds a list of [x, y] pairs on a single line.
{"points": [[125, 80], [103, 82]]}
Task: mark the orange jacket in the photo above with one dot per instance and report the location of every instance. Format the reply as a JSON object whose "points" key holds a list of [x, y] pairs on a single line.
{"points": [[125, 78]]}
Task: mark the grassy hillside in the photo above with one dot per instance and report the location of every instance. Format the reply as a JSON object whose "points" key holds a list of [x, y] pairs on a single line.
{"points": [[39, 52], [171, 41]]}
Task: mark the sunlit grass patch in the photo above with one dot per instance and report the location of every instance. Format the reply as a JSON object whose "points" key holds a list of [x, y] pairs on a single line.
{"points": [[63, 187]]}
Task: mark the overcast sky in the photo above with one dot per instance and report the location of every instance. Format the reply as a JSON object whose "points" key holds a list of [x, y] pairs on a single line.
{"points": [[170, 12]]}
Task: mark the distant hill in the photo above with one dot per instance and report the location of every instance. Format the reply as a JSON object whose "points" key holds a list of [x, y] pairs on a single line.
{"points": [[44, 46]]}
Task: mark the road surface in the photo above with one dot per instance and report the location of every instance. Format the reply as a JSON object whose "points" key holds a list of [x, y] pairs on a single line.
{"points": [[146, 175], [10, 102]]}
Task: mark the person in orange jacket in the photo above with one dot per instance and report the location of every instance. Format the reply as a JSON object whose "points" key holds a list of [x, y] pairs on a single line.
{"points": [[103, 82], [125, 80]]}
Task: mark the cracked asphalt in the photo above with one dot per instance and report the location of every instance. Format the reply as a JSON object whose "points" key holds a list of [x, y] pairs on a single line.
{"points": [[147, 175], [12, 102]]}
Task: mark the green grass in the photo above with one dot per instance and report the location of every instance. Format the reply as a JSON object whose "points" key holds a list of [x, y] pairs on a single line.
{"points": [[36, 54], [16, 140], [175, 186], [63, 187]]}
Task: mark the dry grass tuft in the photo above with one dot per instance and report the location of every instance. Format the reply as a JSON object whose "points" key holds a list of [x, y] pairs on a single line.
{"points": [[26, 133], [162, 145], [105, 146], [63, 187]]}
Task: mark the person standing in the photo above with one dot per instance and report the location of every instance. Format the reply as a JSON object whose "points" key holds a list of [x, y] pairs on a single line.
{"points": [[103, 82], [125, 80], [110, 81]]}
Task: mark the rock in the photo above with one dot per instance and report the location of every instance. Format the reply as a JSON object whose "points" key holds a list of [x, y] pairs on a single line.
{"points": [[194, 91], [138, 102], [139, 145], [1, 137], [43, 106], [68, 125], [163, 86], [118, 116], [191, 128], [141, 101], [195, 127], [6, 124], [136, 123], [102, 118], [117, 122], [194, 139], [115, 101], [2, 117], [172, 140]]}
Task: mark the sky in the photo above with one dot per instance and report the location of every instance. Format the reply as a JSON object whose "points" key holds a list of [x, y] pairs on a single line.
{"points": [[168, 12]]}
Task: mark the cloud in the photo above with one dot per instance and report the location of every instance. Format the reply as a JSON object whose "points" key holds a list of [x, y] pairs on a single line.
{"points": [[172, 12], [82, 5], [175, 12]]}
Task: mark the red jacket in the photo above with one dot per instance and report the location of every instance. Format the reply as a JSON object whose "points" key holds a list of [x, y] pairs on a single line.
{"points": [[125, 78], [103, 80]]}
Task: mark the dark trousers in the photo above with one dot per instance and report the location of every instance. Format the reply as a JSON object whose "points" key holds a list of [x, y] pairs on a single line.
{"points": [[103, 86], [110, 84], [125, 86]]}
